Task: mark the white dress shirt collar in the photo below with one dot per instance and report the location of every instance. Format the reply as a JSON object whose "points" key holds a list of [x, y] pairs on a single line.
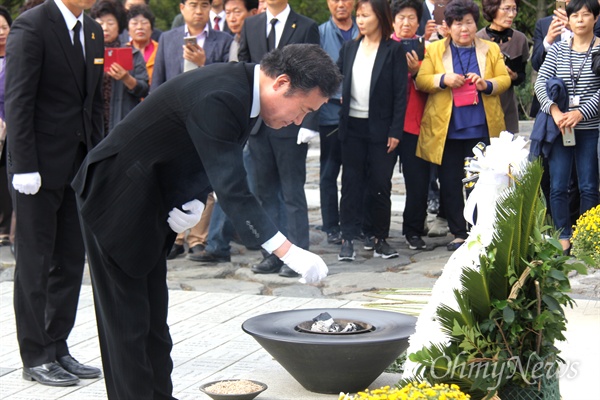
{"points": [[255, 109], [281, 20], [221, 21], [70, 19]]}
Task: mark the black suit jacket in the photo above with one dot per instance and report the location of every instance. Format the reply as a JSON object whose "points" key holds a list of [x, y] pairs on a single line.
{"points": [[388, 94], [48, 112], [179, 144], [425, 17], [253, 46]]}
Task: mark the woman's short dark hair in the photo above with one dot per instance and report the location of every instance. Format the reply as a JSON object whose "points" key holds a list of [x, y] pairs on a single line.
{"points": [[4, 12], [456, 10], [143, 10], [575, 5], [399, 5], [489, 8], [382, 11], [307, 65], [110, 7]]}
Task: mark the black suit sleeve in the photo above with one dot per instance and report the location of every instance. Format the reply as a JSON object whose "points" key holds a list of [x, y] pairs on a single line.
{"points": [[311, 121], [244, 52], [539, 53], [159, 73], [399, 76], [25, 55], [218, 142]]}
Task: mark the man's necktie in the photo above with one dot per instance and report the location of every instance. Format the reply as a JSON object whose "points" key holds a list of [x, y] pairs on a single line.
{"points": [[216, 27], [78, 48], [77, 42], [271, 37]]}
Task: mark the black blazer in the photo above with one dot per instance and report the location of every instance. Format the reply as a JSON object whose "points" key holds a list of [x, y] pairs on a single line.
{"points": [[179, 144], [48, 111], [388, 94], [253, 46]]}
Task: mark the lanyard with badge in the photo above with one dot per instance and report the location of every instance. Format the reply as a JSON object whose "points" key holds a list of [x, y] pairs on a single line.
{"points": [[575, 98]]}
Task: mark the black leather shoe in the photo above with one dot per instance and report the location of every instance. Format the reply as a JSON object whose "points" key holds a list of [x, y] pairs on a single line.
{"points": [[205, 256], [76, 368], [270, 265], [194, 251], [176, 250], [50, 374], [287, 272]]}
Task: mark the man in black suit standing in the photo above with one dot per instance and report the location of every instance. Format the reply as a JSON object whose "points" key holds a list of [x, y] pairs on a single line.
{"points": [[54, 109], [278, 157], [151, 176]]}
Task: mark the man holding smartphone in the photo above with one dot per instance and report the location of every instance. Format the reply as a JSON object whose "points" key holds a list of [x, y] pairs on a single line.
{"points": [[191, 45]]}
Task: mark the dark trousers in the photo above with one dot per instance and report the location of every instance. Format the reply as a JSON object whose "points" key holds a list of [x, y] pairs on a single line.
{"points": [[131, 313], [416, 172], [330, 164], [366, 167], [280, 170], [451, 172], [5, 203], [49, 255]]}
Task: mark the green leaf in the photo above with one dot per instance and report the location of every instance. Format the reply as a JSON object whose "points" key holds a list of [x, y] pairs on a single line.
{"points": [[580, 267], [558, 275], [508, 315], [551, 303]]}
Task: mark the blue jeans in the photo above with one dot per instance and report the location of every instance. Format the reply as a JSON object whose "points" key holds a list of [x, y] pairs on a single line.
{"points": [[220, 232], [585, 154]]}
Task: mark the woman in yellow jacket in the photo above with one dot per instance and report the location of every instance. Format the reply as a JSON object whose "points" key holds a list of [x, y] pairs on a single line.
{"points": [[464, 76]]}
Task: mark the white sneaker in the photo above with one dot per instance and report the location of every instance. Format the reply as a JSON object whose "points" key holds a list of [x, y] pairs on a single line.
{"points": [[438, 228]]}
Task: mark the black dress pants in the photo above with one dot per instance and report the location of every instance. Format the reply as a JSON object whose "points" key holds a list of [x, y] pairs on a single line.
{"points": [[451, 172], [135, 342], [366, 167], [330, 164], [50, 256], [280, 173], [416, 172]]}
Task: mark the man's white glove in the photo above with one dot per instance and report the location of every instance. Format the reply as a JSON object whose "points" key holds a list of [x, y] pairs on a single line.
{"points": [[309, 265], [28, 183], [306, 135], [180, 221]]}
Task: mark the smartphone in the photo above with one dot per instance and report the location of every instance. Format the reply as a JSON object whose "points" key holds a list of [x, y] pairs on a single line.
{"points": [[568, 137], [438, 11], [561, 5], [416, 44], [190, 40]]}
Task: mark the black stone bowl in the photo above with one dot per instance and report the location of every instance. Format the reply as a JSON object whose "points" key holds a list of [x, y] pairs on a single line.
{"points": [[245, 396], [326, 363]]}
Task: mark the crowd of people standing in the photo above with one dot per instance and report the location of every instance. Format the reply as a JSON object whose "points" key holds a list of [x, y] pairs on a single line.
{"points": [[417, 91]]}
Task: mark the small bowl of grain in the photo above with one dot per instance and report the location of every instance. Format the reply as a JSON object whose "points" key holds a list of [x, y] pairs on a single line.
{"points": [[233, 389]]}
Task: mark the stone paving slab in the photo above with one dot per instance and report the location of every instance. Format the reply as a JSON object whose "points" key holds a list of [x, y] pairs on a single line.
{"points": [[209, 344]]}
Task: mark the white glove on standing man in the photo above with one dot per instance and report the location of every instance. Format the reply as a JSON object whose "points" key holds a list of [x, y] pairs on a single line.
{"points": [[28, 183], [309, 265], [180, 221], [306, 135]]}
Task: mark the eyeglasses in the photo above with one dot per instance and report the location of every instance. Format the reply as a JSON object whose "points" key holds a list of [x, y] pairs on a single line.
{"points": [[508, 10]]}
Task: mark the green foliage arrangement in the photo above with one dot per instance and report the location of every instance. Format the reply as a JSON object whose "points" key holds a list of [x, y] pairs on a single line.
{"points": [[510, 312]]}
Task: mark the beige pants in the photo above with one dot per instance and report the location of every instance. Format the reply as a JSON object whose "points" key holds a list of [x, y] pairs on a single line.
{"points": [[199, 233]]}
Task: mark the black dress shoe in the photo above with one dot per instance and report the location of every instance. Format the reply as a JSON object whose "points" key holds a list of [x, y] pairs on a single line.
{"points": [[194, 251], [76, 368], [270, 265], [205, 256], [176, 250], [51, 374], [287, 272]]}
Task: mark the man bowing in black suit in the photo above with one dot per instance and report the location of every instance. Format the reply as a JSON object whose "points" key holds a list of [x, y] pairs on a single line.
{"points": [[54, 60], [150, 177]]}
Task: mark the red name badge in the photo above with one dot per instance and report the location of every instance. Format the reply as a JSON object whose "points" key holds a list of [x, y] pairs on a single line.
{"points": [[120, 55]]}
